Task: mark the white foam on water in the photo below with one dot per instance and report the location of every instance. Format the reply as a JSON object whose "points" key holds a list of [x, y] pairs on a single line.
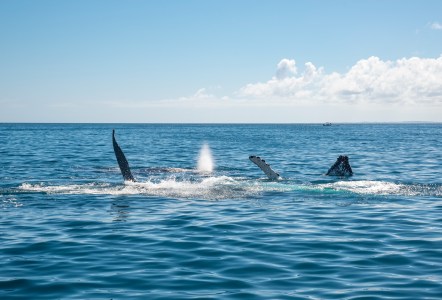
{"points": [[366, 187], [225, 187], [88, 188], [216, 187], [205, 160]]}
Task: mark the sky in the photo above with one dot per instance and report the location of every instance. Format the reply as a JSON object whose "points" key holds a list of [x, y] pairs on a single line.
{"points": [[218, 61]]}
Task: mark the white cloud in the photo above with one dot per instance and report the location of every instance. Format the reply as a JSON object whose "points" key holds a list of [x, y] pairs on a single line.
{"points": [[407, 80], [372, 89], [286, 68], [202, 94], [436, 26]]}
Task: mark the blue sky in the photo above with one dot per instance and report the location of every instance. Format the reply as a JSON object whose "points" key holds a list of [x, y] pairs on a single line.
{"points": [[220, 61]]}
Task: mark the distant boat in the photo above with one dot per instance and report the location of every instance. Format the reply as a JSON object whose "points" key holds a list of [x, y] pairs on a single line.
{"points": [[327, 124]]}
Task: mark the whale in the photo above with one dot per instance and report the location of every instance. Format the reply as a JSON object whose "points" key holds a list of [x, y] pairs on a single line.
{"points": [[265, 167], [340, 168], [122, 161]]}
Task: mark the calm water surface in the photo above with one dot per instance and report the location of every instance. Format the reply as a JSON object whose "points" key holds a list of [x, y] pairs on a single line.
{"points": [[70, 228]]}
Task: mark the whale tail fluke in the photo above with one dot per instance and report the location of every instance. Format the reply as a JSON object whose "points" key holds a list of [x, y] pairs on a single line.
{"points": [[122, 161], [265, 167], [341, 167]]}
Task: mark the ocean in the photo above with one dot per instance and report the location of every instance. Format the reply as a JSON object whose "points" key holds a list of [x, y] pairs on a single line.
{"points": [[210, 225]]}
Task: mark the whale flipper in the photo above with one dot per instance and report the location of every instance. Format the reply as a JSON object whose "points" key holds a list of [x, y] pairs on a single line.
{"points": [[122, 161], [265, 167], [341, 167]]}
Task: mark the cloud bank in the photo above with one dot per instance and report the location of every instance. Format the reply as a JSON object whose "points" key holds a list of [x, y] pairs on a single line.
{"points": [[372, 90], [371, 80]]}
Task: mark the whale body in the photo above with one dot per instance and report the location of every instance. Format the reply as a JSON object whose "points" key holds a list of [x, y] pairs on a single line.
{"points": [[341, 167]]}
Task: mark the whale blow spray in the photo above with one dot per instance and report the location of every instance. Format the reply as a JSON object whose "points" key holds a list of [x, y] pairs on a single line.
{"points": [[205, 160]]}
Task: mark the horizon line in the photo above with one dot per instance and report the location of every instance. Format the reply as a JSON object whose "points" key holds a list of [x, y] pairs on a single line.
{"points": [[230, 123]]}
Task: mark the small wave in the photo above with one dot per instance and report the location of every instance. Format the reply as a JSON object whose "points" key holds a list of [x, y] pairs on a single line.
{"points": [[161, 170], [9, 201]]}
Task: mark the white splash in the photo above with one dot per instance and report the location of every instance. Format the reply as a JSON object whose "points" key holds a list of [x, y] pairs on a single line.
{"points": [[367, 187], [209, 188], [205, 160]]}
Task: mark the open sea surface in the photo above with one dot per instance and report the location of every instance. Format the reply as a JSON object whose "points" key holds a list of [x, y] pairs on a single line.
{"points": [[71, 228]]}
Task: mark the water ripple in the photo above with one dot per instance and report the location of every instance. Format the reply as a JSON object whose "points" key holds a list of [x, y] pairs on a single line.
{"points": [[70, 229]]}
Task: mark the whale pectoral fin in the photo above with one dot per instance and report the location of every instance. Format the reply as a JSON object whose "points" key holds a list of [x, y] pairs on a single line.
{"points": [[122, 161], [341, 167], [265, 167]]}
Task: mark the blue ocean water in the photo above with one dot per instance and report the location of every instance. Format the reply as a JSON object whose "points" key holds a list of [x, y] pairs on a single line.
{"points": [[70, 228]]}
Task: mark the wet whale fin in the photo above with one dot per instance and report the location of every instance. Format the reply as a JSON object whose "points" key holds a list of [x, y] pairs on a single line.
{"points": [[341, 167], [121, 159], [265, 167]]}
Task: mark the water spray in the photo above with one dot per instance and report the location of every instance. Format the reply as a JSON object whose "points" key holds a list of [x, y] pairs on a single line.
{"points": [[205, 160]]}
